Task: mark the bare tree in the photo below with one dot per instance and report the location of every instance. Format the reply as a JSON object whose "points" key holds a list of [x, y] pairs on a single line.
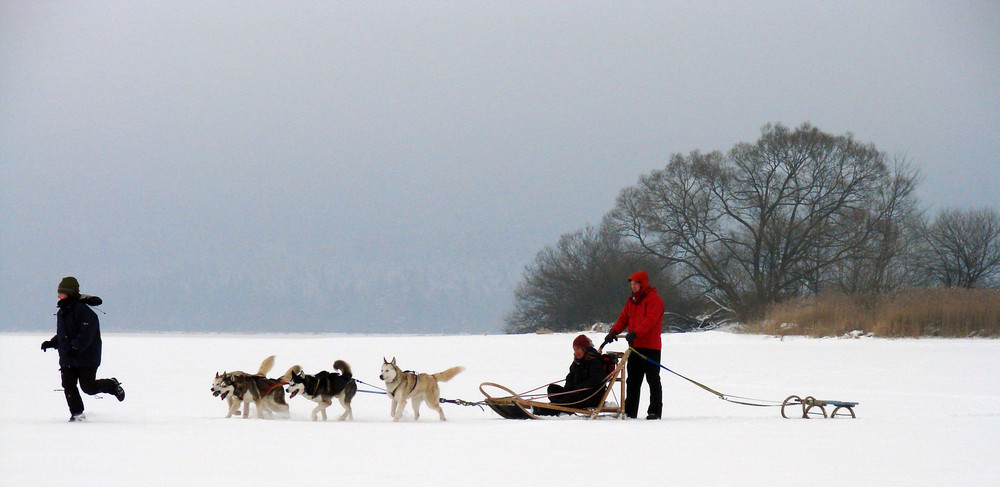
{"points": [[578, 282], [888, 260], [759, 223], [964, 247]]}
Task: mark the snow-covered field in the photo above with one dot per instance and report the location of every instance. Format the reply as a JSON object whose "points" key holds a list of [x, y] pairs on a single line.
{"points": [[929, 414]]}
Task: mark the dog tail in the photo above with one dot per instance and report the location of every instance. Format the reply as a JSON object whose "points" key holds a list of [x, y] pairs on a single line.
{"points": [[295, 369], [345, 370], [448, 374], [266, 366]]}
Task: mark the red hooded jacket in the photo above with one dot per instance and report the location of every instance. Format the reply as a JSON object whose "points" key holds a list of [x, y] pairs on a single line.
{"points": [[643, 314]]}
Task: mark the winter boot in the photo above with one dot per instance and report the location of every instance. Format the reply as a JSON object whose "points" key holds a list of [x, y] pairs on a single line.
{"points": [[78, 418], [119, 393]]}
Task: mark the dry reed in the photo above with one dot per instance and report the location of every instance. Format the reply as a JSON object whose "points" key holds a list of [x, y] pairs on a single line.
{"points": [[937, 312]]}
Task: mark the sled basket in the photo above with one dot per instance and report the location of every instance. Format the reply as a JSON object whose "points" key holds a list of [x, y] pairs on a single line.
{"points": [[513, 406]]}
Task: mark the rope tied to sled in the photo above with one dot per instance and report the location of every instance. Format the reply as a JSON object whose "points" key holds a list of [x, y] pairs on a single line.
{"points": [[745, 401], [461, 402], [441, 400]]}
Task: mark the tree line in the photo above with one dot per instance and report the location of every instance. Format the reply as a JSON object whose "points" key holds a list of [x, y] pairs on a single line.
{"points": [[726, 235]]}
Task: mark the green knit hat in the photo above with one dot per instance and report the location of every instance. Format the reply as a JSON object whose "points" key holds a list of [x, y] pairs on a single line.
{"points": [[69, 285]]}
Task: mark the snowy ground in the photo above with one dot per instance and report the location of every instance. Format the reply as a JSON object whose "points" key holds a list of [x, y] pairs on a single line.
{"points": [[929, 414]]}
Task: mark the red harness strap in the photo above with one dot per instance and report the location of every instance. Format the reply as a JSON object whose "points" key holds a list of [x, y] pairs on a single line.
{"points": [[276, 384]]}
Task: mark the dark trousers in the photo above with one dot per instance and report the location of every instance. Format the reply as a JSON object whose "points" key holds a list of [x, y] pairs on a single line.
{"points": [[637, 370], [86, 377]]}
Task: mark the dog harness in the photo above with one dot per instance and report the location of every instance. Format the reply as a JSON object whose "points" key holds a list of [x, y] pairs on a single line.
{"points": [[399, 381]]}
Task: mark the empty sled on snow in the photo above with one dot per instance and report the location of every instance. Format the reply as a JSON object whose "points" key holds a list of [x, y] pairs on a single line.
{"points": [[815, 407]]}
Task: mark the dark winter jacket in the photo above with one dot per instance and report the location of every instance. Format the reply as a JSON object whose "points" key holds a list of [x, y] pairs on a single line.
{"points": [[78, 332], [586, 372]]}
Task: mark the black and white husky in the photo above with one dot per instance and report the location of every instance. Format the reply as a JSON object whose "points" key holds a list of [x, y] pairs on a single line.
{"points": [[323, 387]]}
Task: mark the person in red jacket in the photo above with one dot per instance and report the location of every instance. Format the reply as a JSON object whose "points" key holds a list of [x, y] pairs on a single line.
{"points": [[643, 317]]}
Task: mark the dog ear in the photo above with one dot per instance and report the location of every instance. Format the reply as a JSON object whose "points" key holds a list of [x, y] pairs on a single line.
{"points": [[394, 361], [384, 361]]}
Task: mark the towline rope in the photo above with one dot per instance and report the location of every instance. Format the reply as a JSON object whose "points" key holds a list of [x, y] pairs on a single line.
{"points": [[379, 391], [725, 397], [459, 402]]}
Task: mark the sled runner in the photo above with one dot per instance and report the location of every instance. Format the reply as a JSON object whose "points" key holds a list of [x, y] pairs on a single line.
{"points": [[815, 407], [519, 406]]}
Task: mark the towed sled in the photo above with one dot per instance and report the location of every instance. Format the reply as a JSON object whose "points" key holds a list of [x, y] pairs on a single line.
{"points": [[815, 407], [520, 406]]}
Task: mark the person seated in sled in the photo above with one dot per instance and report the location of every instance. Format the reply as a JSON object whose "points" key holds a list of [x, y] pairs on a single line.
{"points": [[584, 382]]}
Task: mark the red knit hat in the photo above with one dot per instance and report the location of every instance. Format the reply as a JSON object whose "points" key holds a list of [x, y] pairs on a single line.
{"points": [[582, 342]]}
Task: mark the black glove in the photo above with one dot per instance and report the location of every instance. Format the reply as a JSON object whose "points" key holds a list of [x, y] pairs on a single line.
{"points": [[47, 344], [630, 337], [610, 338]]}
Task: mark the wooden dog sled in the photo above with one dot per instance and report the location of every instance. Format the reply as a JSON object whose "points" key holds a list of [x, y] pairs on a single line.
{"points": [[516, 406], [816, 407]]}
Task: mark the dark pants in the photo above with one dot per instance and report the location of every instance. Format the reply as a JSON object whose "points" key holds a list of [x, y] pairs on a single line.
{"points": [[578, 400], [638, 369], [90, 385]]}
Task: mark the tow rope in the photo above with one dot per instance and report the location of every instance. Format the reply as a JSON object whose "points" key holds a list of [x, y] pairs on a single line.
{"points": [[746, 401], [441, 400], [379, 391]]}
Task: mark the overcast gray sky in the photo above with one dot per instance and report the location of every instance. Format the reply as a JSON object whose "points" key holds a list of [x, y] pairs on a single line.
{"points": [[302, 165]]}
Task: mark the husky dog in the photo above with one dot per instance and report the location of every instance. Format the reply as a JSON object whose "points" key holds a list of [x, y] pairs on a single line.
{"points": [[232, 403], [267, 394], [400, 386], [323, 387], [239, 387]]}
